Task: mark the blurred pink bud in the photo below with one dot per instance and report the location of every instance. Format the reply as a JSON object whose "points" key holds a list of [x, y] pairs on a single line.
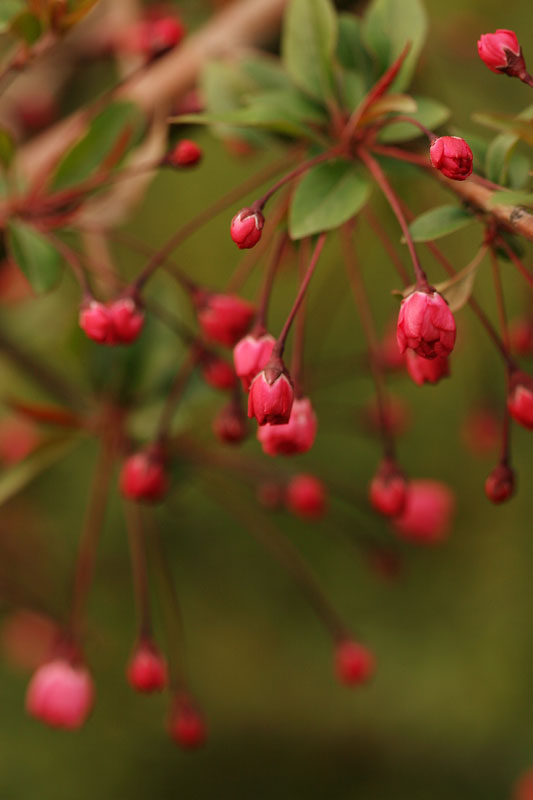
{"points": [[147, 669], [354, 663], [60, 694], [229, 425], [185, 154], [187, 726], [388, 489], [296, 436], [500, 484], [250, 355], [520, 399], [306, 496], [426, 370], [95, 321], [224, 318], [143, 477], [218, 373], [127, 320], [428, 512]]}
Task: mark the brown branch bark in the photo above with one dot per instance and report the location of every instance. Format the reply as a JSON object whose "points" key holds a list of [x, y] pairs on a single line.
{"points": [[243, 23]]}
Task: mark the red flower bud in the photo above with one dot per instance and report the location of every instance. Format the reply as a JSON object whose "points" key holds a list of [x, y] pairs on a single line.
{"points": [[246, 227], [18, 438], [147, 669], [143, 477], [96, 323], [185, 154], [60, 694], [127, 320], [297, 436], [229, 425], [354, 663], [306, 496], [520, 399], [428, 512], [452, 156], [271, 395], [521, 336], [388, 490], [224, 318], [500, 484], [426, 370], [426, 325], [218, 373], [501, 52], [389, 355], [250, 355], [152, 37], [481, 432], [187, 726]]}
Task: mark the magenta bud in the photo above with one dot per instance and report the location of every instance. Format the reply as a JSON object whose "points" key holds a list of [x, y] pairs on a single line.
{"points": [[60, 694], [500, 484], [452, 156], [185, 154], [296, 436], [271, 395], [520, 399], [388, 489], [250, 355], [426, 325], [426, 370], [501, 52], [224, 318], [246, 227]]}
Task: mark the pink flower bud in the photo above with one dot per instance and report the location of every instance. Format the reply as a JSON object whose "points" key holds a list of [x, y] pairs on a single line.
{"points": [[96, 322], [147, 669], [143, 477], [500, 484], [246, 227], [306, 496], [250, 355], [501, 52], [18, 438], [354, 663], [481, 431], [185, 154], [426, 325], [224, 318], [218, 373], [187, 726], [388, 489], [164, 34], [521, 336], [428, 512], [389, 355], [297, 436], [520, 399], [271, 396], [426, 370], [229, 425], [452, 156], [127, 320], [60, 694]]}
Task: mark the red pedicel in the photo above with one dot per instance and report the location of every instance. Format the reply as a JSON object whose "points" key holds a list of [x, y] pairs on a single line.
{"points": [[426, 325], [354, 663], [452, 156], [143, 477], [296, 436], [246, 227], [147, 668], [60, 694], [306, 496], [428, 512]]}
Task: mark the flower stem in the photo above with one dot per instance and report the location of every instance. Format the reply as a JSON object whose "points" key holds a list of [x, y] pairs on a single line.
{"points": [[138, 568], [266, 291]]}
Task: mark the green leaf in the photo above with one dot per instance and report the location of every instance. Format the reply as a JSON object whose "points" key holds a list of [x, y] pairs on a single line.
{"points": [[388, 26], [28, 27], [511, 199], [351, 51], [519, 171], [266, 73], [439, 222], [399, 103], [328, 195], [309, 40], [498, 156], [458, 290], [260, 117], [34, 255], [8, 11], [7, 148], [429, 112], [522, 128], [352, 88], [121, 118]]}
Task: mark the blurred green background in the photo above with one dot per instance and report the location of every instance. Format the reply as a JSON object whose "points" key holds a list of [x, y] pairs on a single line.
{"points": [[449, 714]]}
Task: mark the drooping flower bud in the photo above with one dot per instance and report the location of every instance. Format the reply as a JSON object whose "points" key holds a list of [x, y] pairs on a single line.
{"points": [[250, 355], [520, 399], [224, 318], [217, 372], [306, 496], [60, 694], [428, 512], [426, 325], [147, 669], [297, 436], [18, 438], [501, 52], [127, 320], [354, 663], [271, 395], [143, 476], [388, 489], [186, 725], [246, 228], [500, 484], [452, 156], [151, 37], [185, 154], [521, 336], [426, 370], [229, 425], [95, 321]]}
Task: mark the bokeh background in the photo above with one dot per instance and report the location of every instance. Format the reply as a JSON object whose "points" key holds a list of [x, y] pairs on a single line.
{"points": [[450, 712]]}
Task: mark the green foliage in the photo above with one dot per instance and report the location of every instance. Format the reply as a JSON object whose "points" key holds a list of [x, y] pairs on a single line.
{"points": [[438, 222], [7, 148], [35, 255], [429, 112], [308, 45]]}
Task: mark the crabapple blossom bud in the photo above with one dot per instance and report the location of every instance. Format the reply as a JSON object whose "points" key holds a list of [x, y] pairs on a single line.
{"points": [[297, 436], [95, 321], [127, 320], [388, 489], [217, 372], [224, 318], [185, 154], [521, 336], [426, 325], [60, 694], [229, 425], [250, 355], [481, 431], [452, 156], [18, 438], [426, 370], [500, 484], [187, 726], [520, 399], [271, 395], [246, 227], [306, 496], [428, 512], [147, 669], [143, 477], [354, 663], [501, 52], [163, 35], [388, 354]]}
